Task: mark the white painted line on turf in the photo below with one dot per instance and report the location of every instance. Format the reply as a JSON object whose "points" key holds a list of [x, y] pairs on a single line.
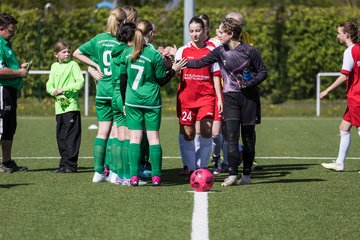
{"points": [[200, 222]]}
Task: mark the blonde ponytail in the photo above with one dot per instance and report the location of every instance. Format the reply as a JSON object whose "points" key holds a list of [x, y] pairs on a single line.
{"points": [[115, 20], [144, 27], [139, 43]]}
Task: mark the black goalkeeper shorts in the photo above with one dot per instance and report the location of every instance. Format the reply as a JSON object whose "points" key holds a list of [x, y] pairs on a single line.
{"points": [[243, 106]]}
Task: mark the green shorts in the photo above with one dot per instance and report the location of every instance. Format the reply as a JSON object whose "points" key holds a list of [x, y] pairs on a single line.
{"points": [[119, 116], [140, 118], [104, 110]]}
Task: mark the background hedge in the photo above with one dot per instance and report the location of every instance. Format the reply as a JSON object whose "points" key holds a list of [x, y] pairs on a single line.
{"points": [[296, 42]]}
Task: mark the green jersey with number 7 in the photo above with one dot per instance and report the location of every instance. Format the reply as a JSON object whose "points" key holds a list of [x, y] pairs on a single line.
{"points": [[142, 89]]}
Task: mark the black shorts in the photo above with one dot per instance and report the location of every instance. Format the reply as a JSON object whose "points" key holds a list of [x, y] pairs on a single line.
{"points": [[243, 106], [8, 98]]}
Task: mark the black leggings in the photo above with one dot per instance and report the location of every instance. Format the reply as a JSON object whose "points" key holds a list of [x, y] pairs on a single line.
{"points": [[248, 139]]}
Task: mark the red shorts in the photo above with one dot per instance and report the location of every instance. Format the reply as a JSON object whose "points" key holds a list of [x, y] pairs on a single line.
{"points": [[352, 115], [189, 116]]}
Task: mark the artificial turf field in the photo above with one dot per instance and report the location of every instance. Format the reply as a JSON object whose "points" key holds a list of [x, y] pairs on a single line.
{"points": [[292, 197]]}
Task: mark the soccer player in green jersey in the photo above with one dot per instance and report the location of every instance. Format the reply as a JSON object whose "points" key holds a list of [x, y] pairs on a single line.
{"points": [[121, 165], [99, 49], [143, 70]]}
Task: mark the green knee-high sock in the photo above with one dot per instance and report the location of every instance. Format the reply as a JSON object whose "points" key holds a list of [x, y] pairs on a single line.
{"points": [[99, 154], [114, 158], [125, 158], [156, 159], [108, 154], [119, 166], [134, 158]]}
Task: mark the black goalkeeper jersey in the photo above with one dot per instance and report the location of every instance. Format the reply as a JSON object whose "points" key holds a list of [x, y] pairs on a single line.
{"points": [[232, 64]]}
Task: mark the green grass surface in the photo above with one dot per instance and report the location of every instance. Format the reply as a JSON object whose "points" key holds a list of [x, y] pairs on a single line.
{"points": [[290, 198], [292, 108]]}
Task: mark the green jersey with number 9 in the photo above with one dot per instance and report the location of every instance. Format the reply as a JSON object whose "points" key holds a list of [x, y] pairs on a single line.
{"points": [[142, 89], [99, 49]]}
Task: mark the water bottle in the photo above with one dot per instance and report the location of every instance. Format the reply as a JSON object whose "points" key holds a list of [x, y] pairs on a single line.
{"points": [[247, 75]]}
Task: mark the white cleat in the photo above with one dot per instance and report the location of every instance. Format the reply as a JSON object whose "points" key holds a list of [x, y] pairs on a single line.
{"points": [[230, 180], [334, 166], [113, 177], [98, 177]]}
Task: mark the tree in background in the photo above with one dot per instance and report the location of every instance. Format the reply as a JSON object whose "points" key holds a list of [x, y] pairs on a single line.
{"points": [[70, 4]]}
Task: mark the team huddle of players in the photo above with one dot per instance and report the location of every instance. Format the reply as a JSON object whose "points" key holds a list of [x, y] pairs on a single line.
{"points": [[129, 72]]}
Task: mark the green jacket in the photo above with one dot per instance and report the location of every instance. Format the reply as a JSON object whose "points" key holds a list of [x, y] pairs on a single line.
{"points": [[67, 76]]}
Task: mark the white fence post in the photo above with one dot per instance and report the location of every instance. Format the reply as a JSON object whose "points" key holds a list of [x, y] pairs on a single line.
{"points": [[86, 110], [318, 76]]}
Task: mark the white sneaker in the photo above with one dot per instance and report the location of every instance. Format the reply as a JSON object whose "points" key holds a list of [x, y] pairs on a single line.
{"points": [[230, 180], [142, 183], [125, 182], [253, 166], [113, 177], [334, 166], [245, 179], [118, 181], [98, 177]]}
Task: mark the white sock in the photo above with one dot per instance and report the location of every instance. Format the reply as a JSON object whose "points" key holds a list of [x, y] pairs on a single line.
{"points": [[225, 153], [205, 151], [197, 150], [189, 154], [345, 139], [217, 145], [181, 148]]}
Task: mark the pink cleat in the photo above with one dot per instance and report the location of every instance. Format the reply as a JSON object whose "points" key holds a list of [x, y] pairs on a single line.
{"points": [[106, 170], [156, 181], [134, 181]]}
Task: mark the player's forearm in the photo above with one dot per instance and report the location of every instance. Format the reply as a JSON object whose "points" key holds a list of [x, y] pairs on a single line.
{"points": [[338, 81], [217, 86], [11, 73], [85, 59]]}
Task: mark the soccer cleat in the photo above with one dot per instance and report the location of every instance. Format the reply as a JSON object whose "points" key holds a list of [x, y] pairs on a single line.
{"points": [[14, 167], [334, 166], [142, 183], [125, 182], [245, 180], [106, 170], [118, 181], [216, 170], [112, 177], [147, 172], [156, 181], [230, 180], [134, 181], [254, 165], [98, 177], [63, 170], [184, 171], [4, 169]]}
